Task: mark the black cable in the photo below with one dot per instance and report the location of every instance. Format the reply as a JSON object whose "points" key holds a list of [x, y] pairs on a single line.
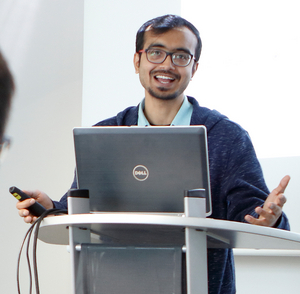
{"points": [[19, 260], [38, 223], [33, 228], [28, 261]]}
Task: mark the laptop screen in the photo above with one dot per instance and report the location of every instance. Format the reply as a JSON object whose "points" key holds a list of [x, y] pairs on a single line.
{"points": [[141, 169]]}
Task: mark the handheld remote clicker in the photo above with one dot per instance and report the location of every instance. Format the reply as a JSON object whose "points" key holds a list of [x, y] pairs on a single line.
{"points": [[36, 209]]}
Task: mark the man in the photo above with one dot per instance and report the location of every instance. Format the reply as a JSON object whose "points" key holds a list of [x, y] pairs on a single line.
{"points": [[167, 53], [6, 92]]}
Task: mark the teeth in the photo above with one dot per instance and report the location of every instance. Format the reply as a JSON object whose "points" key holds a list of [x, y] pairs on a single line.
{"points": [[164, 77]]}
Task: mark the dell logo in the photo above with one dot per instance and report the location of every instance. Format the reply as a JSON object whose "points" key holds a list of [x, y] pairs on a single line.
{"points": [[140, 173]]}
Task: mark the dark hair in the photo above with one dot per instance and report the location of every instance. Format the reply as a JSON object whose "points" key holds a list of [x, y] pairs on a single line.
{"points": [[7, 88], [163, 24]]}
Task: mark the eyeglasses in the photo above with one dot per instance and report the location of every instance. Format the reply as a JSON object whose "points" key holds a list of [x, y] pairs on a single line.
{"points": [[159, 56], [4, 147]]}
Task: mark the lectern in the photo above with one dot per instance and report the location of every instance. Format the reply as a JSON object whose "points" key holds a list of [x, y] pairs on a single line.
{"points": [[190, 232]]}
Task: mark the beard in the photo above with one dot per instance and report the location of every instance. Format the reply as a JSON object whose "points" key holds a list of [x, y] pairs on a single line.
{"points": [[163, 96], [161, 92]]}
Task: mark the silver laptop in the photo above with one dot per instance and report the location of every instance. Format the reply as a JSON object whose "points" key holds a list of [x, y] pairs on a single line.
{"points": [[141, 169]]}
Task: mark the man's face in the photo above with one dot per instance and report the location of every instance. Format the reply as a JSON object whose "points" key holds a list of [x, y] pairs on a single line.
{"points": [[166, 81]]}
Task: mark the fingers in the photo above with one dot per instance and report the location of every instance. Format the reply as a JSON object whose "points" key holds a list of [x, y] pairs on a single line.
{"points": [[260, 221], [280, 200], [30, 219], [252, 220], [27, 217], [25, 203], [270, 212], [268, 216], [282, 185], [272, 209], [23, 211], [36, 195], [33, 194], [276, 196]]}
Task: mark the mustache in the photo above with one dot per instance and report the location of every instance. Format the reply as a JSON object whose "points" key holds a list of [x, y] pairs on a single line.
{"points": [[166, 72]]}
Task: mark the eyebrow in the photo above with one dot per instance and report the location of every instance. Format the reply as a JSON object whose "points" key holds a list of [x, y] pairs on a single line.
{"points": [[162, 46]]}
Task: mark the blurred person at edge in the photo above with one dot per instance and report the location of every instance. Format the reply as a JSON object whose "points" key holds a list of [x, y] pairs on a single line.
{"points": [[7, 88]]}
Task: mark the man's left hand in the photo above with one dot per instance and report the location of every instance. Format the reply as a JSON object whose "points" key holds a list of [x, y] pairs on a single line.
{"points": [[272, 209]]}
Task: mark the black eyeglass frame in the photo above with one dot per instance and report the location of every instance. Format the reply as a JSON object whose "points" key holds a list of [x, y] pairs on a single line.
{"points": [[167, 54]]}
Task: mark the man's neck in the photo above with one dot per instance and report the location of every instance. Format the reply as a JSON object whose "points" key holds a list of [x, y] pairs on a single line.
{"points": [[161, 112]]}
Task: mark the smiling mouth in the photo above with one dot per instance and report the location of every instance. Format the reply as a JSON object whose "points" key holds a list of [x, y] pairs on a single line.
{"points": [[164, 79]]}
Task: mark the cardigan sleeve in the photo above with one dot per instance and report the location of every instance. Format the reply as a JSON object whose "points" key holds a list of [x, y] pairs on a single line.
{"points": [[63, 202], [244, 183]]}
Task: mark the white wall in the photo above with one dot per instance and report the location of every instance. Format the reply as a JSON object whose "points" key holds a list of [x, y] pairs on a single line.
{"points": [[42, 41], [249, 68]]}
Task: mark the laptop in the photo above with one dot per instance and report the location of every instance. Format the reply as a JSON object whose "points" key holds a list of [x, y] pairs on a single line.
{"points": [[141, 169]]}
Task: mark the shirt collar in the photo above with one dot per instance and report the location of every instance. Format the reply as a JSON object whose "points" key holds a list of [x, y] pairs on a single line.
{"points": [[182, 118]]}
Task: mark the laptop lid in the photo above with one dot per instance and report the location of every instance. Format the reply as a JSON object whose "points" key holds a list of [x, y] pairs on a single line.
{"points": [[141, 169]]}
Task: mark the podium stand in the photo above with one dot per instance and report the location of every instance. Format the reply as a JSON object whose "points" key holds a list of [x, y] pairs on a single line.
{"points": [[188, 231]]}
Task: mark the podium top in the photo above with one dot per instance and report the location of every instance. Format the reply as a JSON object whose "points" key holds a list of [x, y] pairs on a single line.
{"points": [[136, 228]]}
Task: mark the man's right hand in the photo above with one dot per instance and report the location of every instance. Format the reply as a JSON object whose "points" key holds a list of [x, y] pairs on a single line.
{"points": [[38, 196]]}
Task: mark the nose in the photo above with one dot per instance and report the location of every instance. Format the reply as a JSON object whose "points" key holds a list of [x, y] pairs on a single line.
{"points": [[168, 63]]}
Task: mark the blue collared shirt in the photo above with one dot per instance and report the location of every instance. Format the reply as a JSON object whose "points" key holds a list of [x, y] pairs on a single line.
{"points": [[182, 118]]}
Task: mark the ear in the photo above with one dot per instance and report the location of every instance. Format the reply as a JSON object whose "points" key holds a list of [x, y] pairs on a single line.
{"points": [[195, 67], [136, 62]]}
